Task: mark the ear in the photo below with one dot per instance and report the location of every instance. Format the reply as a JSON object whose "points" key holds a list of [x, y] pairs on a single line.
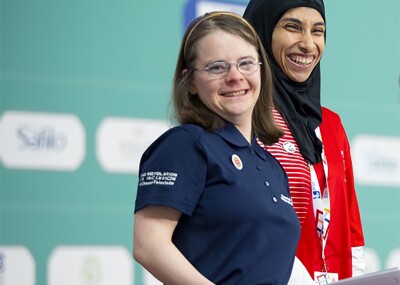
{"points": [[192, 86]]}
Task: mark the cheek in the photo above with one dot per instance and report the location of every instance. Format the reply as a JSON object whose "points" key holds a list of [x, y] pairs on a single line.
{"points": [[204, 89], [197, 85], [256, 83], [321, 47], [278, 49], [275, 47]]}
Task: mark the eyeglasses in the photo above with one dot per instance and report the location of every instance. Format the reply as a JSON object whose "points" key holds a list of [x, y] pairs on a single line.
{"points": [[221, 68]]}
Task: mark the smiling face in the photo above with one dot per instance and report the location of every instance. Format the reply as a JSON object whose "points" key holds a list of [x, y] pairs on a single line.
{"points": [[298, 42], [233, 96]]}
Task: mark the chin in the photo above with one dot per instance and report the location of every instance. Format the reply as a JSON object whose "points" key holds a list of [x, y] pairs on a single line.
{"points": [[299, 78]]}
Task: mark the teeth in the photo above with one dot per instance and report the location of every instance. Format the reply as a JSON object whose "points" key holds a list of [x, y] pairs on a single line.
{"points": [[301, 60], [236, 93]]}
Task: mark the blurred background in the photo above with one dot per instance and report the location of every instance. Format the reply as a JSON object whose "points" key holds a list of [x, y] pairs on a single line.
{"points": [[84, 89]]}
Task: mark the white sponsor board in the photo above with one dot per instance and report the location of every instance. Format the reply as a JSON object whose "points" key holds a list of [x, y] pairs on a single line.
{"points": [[376, 160], [33, 140], [17, 266], [150, 279], [90, 265], [120, 142], [203, 7]]}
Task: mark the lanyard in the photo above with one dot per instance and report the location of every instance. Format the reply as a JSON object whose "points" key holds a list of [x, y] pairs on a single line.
{"points": [[321, 202]]}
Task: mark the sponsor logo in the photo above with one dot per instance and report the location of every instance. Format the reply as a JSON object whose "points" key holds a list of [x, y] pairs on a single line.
{"points": [[120, 142], [44, 139], [33, 140], [2, 263], [376, 160], [90, 265], [91, 271]]}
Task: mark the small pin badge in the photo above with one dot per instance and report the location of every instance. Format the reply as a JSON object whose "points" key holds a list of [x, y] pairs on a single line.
{"points": [[237, 162], [289, 147]]}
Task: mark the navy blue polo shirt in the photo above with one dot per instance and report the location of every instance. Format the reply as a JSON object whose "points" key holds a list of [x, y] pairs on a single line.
{"points": [[238, 225]]}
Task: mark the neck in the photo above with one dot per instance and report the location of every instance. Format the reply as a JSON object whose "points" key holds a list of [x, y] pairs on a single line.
{"points": [[245, 130]]}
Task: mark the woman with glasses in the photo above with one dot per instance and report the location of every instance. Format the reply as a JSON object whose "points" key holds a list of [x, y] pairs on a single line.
{"points": [[212, 206], [314, 150]]}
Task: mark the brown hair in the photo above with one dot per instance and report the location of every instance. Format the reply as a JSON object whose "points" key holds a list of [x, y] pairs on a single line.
{"points": [[188, 108]]}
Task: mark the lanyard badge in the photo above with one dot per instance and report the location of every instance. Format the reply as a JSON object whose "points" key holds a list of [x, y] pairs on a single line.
{"points": [[322, 213], [322, 278]]}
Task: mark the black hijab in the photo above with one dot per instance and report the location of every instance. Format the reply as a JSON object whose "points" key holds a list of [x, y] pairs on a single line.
{"points": [[299, 103]]}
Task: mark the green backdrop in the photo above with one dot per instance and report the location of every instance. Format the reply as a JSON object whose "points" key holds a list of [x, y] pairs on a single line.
{"points": [[99, 59]]}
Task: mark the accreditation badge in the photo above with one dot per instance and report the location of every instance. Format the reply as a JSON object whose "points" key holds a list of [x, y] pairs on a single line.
{"points": [[325, 277]]}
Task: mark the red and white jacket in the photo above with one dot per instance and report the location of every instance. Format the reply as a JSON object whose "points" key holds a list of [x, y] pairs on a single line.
{"points": [[345, 228]]}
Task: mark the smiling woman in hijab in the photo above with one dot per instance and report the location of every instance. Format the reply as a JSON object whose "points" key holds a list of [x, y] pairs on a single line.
{"points": [[314, 151]]}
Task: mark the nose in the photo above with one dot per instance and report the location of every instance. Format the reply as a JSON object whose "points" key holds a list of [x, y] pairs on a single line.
{"points": [[234, 73], [306, 42]]}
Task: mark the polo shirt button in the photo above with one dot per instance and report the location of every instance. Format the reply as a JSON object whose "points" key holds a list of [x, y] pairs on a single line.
{"points": [[275, 200], [266, 183], [258, 167]]}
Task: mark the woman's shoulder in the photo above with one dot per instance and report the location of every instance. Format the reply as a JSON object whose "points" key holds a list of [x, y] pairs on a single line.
{"points": [[185, 132], [331, 126], [326, 112], [175, 137], [330, 117]]}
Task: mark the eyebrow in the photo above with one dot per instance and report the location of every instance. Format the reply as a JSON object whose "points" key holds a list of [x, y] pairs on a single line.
{"points": [[295, 20], [241, 58]]}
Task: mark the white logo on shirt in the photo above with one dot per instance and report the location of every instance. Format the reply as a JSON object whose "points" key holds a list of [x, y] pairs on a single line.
{"points": [[289, 147], [286, 199], [158, 178]]}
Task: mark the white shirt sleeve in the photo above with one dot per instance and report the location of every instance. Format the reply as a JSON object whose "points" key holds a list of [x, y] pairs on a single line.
{"points": [[357, 254], [300, 275]]}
